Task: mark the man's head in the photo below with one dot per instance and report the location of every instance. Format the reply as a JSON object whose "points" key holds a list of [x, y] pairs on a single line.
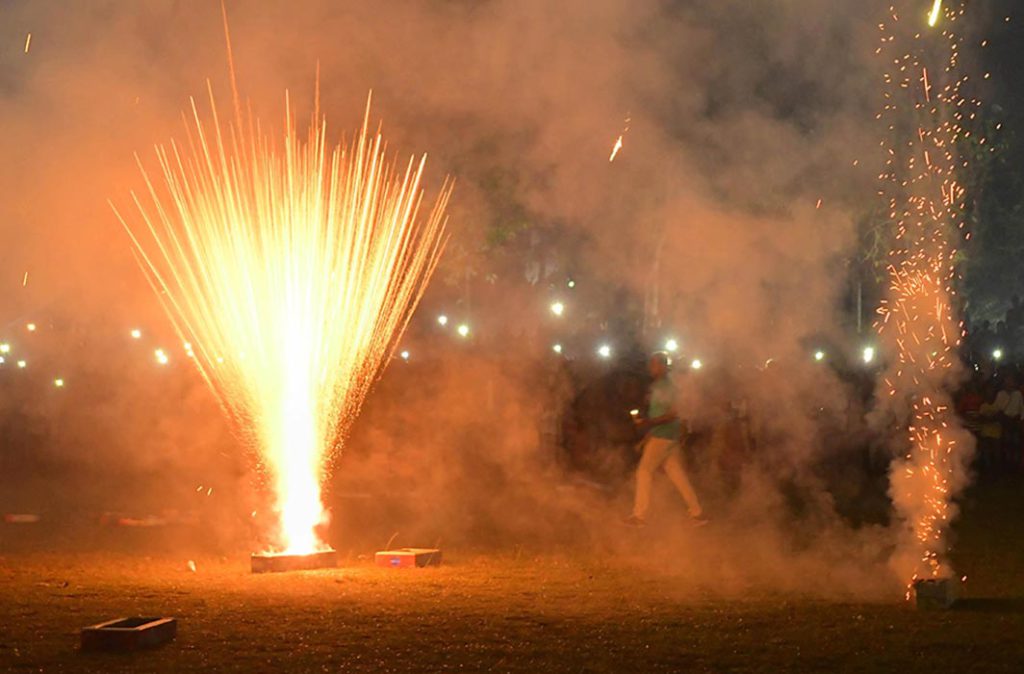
{"points": [[658, 364]]}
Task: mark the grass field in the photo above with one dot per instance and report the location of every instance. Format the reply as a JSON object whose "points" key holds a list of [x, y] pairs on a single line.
{"points": [[511, 610]]}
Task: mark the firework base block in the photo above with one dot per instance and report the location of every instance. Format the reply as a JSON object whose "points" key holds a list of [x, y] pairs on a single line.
{"points": [[275, 563], [408, 558], [129, 634], [935, 593]]}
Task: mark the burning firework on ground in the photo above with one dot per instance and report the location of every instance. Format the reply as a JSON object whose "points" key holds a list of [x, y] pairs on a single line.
{"points": [[291, 267], [926, 114]]}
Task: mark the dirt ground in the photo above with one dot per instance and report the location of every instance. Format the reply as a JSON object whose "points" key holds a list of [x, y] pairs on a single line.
{"points": [[511, 610]]}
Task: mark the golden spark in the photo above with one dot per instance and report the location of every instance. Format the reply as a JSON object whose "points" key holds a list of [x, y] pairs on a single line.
{"points": [[615, 149]]}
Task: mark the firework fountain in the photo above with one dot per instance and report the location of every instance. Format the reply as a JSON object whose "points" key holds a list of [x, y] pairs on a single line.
{"points": [[926, 114], [290, 268]]}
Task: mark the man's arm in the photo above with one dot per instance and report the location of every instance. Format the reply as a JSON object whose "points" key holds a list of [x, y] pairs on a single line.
{"points": [[666, 418]]}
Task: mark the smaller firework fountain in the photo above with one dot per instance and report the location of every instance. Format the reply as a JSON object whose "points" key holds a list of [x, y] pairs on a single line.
{"points": [[925, 112]]}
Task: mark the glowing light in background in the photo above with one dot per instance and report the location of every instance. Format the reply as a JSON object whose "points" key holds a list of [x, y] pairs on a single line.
{"points": [[161, 357], [22, 364], [933, 16], [868, 355], [557, 308], [442, 320], [5, 348], [557, 348], [696, 364], [31, 327], [671, 345], [404, 355], [605, 351], [571, 283], [997, 354], [58, 382], [819, 356], [463, 330], [136, 334], [310, 257]]}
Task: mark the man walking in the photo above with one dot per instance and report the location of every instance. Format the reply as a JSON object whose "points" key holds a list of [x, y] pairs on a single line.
{"points": [[661, 446]]}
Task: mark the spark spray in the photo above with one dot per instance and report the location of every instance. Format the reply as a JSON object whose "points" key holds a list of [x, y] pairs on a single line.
{"points": [[926, 113], [291, 266]]}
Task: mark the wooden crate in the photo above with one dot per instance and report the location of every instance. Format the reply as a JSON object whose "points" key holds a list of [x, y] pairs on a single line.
{"points": [[129, 634], [275, 563]]}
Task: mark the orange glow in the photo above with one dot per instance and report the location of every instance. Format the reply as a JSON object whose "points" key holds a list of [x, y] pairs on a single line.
{"points": [[290, 267]]}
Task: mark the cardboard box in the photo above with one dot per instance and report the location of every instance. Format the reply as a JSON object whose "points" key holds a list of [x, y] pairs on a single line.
{"points": [[408, 558], [935, 593]]}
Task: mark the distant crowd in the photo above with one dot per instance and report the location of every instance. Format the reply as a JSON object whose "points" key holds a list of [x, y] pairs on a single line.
{"points": [[991, 401], [991, 404]]}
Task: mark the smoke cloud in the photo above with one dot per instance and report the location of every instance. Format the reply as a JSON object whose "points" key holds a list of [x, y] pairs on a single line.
{"points": [[726, 221]]}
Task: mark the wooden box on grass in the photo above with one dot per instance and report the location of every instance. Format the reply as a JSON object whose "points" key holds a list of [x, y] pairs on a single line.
{"points": [[129, 634]]}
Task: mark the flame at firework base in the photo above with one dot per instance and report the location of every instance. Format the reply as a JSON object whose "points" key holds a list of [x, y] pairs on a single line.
{"points": [[297, 479]]}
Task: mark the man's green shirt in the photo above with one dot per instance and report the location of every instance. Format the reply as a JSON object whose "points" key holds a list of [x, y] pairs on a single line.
{"points": [[662, 400]]}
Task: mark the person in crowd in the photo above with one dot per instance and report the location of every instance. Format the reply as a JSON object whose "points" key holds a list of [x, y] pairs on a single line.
{"points": [[990, 430], [661, 446], [968, 405], [970, 400], [1007, 410]]}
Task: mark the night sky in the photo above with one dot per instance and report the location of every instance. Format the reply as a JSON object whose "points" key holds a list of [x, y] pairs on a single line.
{"points": [[1004, 58]]}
